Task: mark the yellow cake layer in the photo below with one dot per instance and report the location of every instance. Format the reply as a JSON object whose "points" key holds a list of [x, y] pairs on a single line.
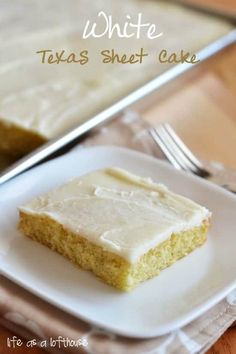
{"points": [[108, 266], [17, 141]]}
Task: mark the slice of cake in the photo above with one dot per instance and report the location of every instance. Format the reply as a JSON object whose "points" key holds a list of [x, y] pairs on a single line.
{"points": [[122, 227]]}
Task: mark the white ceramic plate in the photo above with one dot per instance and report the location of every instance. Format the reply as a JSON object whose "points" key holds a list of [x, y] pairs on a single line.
{"points": [[174, 298]]}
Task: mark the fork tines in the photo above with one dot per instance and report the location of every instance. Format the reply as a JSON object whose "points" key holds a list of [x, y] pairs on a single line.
{"points": [[176, 151]]}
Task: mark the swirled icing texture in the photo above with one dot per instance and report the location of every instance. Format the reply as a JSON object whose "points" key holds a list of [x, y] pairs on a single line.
{"points": [[121, 212]]}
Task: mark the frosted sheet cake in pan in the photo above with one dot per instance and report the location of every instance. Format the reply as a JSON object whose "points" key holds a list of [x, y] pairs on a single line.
{"points": [[41, 101]]}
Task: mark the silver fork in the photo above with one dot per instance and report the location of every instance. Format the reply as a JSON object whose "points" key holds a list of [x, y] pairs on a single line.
{"points": [[179, 155]]}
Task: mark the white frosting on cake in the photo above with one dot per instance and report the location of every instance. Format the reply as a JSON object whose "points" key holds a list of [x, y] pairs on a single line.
{"points": [[49, 99], [123, 213]]}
